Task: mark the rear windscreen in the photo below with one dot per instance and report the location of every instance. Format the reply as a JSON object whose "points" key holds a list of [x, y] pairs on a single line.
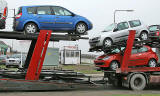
{"points": [[19, 10]]}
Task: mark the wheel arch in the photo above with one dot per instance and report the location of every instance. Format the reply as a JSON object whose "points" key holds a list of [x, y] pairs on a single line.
{"points": [[144, 31], [116, 61], [38, 26], [81, 22]]}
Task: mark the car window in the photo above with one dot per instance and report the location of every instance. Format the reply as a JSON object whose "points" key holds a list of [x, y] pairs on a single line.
{"points": [[31, 10], [135, 23], [109, 28], [142, 49], [153, 28], [61, 11], [19, 10], [44, 11], [134, 51], [122, 26]]}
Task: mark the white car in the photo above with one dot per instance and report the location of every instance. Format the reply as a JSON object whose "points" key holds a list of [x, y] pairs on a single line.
{"points": [[15, 60], [3, 13], [119, 32]]}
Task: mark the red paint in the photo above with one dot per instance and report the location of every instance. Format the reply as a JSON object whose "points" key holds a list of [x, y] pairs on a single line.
{"points": [[39, 52]]}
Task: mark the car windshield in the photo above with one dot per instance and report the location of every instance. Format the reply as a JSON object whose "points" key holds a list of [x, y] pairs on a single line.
{"points": [[153, 28], [16, 56], [109, 28], [116, 50]]}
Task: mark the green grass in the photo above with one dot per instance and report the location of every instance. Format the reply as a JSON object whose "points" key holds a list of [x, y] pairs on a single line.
{"points": [[139, 95], [86, 69]]}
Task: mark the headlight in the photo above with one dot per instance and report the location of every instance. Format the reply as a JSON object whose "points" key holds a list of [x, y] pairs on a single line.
{"points": [[106, 58]]}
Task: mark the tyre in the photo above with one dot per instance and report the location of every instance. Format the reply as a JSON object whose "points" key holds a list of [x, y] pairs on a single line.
{"points": [[114, 65], [81, 28], [30, 28], [144, 36], [107, 42], [152, 63], [7, 66], [137, 82]]}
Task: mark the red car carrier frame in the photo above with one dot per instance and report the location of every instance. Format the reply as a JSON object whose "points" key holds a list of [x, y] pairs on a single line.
{"points": [[33, 77]]}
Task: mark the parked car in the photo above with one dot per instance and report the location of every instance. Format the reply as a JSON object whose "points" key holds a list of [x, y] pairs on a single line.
{"points": [[15, 60], [140, 56], [3, 59], [34, 18], [118, 32], [154, 32], [3, 13]]}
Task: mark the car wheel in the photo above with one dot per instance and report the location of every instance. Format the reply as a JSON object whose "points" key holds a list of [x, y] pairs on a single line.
{"points": [[144, 36], [107, 42], [114, 65], [30, 28], [81, 28], [137, 82], [152, 63]]}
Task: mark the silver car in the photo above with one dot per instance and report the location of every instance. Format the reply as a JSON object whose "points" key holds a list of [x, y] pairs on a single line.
{"points": [[118, 32]]}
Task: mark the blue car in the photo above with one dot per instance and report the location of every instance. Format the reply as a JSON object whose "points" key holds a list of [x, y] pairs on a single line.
{"points": [[31, 19]]}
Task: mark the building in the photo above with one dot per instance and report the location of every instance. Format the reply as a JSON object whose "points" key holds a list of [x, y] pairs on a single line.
{"points": [[3, 48], [70, 55]]}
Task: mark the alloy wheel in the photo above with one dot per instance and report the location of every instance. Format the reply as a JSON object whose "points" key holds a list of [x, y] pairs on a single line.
{"points": [[81, 28]]}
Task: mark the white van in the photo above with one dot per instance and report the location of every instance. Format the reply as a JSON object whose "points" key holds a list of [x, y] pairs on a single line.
{"points": [[3, 13]]}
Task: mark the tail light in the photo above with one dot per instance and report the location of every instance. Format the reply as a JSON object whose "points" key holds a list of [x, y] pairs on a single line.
{"points": [[18, 16], [4, 13], [157, 33]]}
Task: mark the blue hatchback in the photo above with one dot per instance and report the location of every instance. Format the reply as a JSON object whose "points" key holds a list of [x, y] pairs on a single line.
{"points": [[31, 19]]}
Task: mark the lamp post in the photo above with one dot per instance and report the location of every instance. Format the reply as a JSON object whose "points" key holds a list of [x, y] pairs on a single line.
{"points": [[120, 10]]}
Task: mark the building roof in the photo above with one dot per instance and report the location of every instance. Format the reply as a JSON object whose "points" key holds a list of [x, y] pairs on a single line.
{"points": [[3, 45]]}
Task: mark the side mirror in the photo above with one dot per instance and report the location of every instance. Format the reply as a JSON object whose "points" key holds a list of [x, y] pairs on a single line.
{"points": [[73, 14]]}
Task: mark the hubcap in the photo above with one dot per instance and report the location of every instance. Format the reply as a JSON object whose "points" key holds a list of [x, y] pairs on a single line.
{"points": [[81, 28], [137, 82], [31, 28], [144, 36], [114, 65], [108, 43], [152, 63]]}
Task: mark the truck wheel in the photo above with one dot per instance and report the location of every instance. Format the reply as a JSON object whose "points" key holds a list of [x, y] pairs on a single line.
{"points": [[137, 82]]}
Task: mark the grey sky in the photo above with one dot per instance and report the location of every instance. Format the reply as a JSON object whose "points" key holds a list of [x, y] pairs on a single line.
{"points": [[100, 12]]}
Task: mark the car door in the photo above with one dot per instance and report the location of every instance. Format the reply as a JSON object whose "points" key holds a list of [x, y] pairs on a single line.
{"points": [[143, 55], [139, 57], [121, 31], [134, 57], [45, 18], [64, 19], [136, 25]]}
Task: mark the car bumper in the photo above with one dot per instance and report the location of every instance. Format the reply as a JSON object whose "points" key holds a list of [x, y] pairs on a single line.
{"points": [[12, 64], [101, 63]]}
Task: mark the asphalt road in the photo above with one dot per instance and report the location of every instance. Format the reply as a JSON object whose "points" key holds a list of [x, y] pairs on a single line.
{"points": [[109, 91]]}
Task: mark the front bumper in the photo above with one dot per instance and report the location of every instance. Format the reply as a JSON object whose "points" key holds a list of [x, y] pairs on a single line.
{"points": [[101, 63]]}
